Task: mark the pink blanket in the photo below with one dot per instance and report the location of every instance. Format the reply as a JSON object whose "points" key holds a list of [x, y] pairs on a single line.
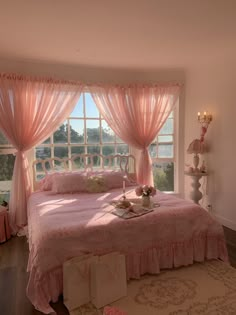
{"points": [[64, 226]]}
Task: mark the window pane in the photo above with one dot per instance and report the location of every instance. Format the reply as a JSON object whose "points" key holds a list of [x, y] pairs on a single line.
{"points": [[77, 150], [165, 151], [165, 139], [122, 149], [3, 139], [93, 131], [153, 150], [61, 135], [6, 171], [48, 140], [43, 153], [167, 128], [61, 152], [7, 164], [108, 150], [93, 149], [91, 108], [76, 130], [163, 175], [118, 140], [96, 159], [78, 110], [107, 133]]}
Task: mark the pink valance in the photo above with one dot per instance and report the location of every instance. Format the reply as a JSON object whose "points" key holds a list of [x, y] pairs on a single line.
{"points": [[31, 109]]}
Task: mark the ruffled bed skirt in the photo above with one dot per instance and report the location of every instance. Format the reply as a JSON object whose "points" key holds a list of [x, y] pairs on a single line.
{"points": [[42, 289]]}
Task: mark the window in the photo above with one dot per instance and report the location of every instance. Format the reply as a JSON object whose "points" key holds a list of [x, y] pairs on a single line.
{"points": [[85, 131], [7, 160], [163, 153]]}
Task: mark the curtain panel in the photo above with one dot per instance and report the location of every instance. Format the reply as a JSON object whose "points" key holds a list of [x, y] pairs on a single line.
{"points": [[31, 110], [136, 114]]}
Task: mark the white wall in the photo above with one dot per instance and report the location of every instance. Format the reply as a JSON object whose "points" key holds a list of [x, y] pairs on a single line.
{"points": [[212, 88]]}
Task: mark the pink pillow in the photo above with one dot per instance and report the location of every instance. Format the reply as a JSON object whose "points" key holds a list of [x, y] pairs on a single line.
{"points": [[46, 182], [69, 183]]}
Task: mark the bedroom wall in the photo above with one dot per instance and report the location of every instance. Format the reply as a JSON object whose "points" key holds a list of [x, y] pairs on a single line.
{"points": [[212, 88]]}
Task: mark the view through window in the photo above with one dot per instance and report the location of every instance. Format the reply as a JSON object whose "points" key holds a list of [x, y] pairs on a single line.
{"points": [[86, 132]]}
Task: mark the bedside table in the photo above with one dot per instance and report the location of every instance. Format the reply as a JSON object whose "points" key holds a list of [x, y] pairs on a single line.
{"points": [[5, 231]]}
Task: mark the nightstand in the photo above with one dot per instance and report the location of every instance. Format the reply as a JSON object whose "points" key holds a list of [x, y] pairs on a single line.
{"points": [[5, 231]]}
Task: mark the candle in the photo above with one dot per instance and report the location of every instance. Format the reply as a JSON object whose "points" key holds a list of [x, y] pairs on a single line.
{"points": [[205, 114], [198, 115], [123, 186]]}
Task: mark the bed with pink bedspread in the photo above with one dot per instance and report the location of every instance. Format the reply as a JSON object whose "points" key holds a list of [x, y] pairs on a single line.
{"points": [[63, 226]]}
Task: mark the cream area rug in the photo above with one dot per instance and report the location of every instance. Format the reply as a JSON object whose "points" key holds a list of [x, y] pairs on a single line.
{"points": [[201, 289]]}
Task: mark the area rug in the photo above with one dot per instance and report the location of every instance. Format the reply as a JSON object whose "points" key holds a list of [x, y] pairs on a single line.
{"points": [[203, 288]]}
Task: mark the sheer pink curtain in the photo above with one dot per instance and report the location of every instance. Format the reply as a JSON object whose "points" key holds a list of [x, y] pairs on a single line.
{"points": [[136, 114], [30, 110]]}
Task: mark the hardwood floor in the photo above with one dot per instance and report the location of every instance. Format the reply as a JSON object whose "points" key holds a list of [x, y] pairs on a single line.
{"points": [[14, 278]]}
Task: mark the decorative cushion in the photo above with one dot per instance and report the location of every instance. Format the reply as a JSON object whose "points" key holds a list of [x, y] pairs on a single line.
{"points": [[96, 184]]}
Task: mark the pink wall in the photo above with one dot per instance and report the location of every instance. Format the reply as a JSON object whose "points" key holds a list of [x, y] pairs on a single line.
{"points": [[212, 88]]}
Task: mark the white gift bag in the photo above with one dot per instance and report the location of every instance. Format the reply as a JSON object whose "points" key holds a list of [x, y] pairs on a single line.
{"points": [[76, 281], [108, 279]]}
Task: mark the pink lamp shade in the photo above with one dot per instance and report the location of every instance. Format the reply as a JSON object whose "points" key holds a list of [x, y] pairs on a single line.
{"points": [[196, 146]]}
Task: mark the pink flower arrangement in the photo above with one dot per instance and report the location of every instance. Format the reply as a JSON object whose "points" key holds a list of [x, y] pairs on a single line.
{"points": [[145, 191]]}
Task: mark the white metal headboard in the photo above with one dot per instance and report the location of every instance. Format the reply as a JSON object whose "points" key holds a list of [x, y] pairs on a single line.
{"points": [[84, 162]]}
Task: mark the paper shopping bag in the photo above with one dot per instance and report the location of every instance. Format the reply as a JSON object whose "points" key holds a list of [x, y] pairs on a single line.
{"points": [[108, 279], [76, 281]]}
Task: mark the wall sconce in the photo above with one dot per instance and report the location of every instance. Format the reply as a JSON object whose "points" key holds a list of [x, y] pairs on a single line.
{"points": [[205, 118]]}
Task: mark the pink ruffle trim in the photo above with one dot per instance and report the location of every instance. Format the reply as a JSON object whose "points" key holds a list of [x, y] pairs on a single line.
{"points": [[42, 290]]}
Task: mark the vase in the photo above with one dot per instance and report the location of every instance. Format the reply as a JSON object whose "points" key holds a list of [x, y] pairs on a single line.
{"points": [[146, 201]]}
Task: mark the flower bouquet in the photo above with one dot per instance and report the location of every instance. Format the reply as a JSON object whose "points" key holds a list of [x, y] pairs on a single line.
{"points": [[146, 192]]}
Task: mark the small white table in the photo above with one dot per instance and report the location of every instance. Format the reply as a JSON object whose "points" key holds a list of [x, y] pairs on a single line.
{"points": [[196, 194]]}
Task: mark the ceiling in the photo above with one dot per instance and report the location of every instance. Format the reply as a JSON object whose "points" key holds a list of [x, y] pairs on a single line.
{"points": [[124, 33]]}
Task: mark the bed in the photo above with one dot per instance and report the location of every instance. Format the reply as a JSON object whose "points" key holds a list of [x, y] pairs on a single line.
{"points": [[62, 226]]}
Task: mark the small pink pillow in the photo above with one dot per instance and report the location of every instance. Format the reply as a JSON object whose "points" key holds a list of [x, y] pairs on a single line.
{"points": [[46, 182], [69, 183]]}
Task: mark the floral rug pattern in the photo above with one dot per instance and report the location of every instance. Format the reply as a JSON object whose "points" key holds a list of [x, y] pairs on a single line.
{"points": [[201, 289]]}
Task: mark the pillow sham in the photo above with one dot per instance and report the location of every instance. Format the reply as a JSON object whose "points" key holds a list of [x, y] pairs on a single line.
{"points": [[69, 183], [46, 183]]}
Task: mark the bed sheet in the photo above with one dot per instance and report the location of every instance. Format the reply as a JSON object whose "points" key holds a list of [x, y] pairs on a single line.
{"points": [[64, 226]]}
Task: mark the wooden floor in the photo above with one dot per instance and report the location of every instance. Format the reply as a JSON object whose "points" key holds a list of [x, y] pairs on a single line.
{"points": [[13, 276]]}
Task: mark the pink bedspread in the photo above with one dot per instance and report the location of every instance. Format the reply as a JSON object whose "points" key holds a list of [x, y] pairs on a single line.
{"points": [[64, 226]]}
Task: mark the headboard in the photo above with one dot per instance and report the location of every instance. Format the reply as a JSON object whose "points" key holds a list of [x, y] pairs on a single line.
{"points": [[84, 162]]}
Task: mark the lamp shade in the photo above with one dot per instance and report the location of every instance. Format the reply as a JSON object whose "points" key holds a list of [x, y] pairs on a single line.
{"points": [[196, 146]]}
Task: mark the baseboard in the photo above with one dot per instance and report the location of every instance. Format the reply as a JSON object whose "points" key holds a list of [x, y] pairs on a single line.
{"points": [[226, 222]]}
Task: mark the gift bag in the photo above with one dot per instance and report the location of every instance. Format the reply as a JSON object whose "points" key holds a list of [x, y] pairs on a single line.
{"points": [[76, 281], [108, 279]]}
